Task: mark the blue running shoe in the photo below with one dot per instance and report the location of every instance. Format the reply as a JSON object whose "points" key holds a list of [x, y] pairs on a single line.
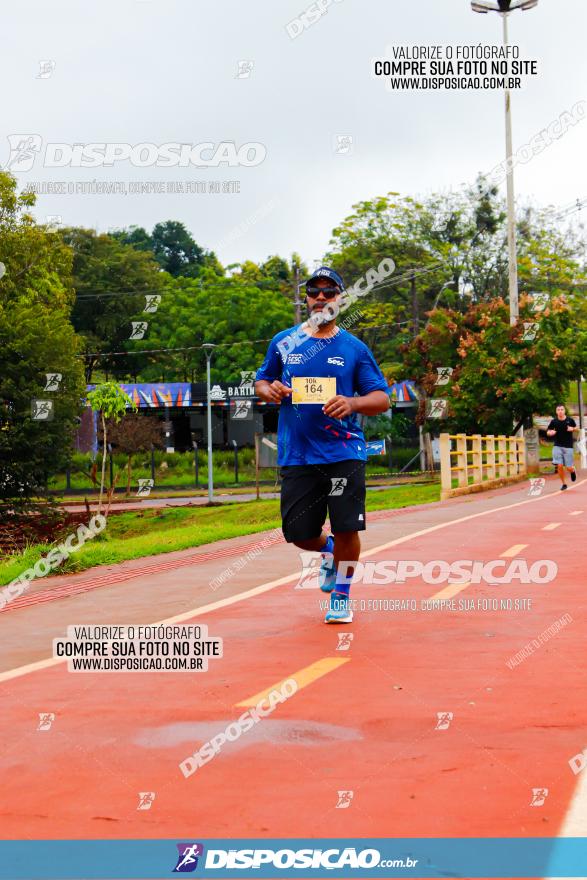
{"points": [[340, 610], [327, 573]]}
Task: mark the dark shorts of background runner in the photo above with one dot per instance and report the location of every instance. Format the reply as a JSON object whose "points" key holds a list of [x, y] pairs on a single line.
{"points": [[310, 493]]}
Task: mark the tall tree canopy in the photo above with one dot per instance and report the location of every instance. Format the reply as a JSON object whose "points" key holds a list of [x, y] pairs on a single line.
{"points": [[450, 250], [111, 281], [238, 315], [36, 339], [173, 247], [501, 374]]}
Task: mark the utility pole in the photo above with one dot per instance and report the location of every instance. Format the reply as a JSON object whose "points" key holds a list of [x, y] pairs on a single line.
{"points": [[415, 307], [208, 349], [297, 302], [511, 202]]}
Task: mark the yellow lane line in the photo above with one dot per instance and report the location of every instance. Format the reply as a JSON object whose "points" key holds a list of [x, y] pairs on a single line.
{"points": [[514, 550], [303, 677], [451, 591]]}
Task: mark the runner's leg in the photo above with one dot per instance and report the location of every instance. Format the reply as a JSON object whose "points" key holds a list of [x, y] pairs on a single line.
{"points": [[347, 548], [346, 503], [317, 544]]}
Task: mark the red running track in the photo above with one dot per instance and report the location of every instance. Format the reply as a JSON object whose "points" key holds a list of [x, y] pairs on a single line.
{"points": [[368, 726]]}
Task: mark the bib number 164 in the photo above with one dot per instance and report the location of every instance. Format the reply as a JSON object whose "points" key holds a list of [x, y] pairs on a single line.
{"points": [[313, 389]]}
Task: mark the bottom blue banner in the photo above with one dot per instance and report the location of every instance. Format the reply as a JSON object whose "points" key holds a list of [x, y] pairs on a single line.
{"points": [[359, 857]]}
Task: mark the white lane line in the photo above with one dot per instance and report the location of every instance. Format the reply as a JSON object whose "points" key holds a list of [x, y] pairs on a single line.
{"points": [[270, 585], [551, 527], [575, 513], [454, 522], [179, 618]]}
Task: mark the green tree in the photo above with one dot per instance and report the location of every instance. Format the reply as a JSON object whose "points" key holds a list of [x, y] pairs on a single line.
{"points": [[136, 236], [395, 427], [134, 433], [111, 401], [238, 316], [274, 274], [450, 249], [36, 339], [111, 281], [177, 252], [172, 246], [501, 374], [401, 229], [277, 269]]}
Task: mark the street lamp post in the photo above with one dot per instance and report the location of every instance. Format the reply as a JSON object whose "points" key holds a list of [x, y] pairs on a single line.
{"points": [[504, 8], [208, 347], [512, 249]]}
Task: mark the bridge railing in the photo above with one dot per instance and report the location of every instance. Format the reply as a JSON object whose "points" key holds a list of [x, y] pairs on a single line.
{"points": [[473, 462]]}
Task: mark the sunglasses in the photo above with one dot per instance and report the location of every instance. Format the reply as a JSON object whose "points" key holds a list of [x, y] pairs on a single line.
{"points": [[329, 292]]}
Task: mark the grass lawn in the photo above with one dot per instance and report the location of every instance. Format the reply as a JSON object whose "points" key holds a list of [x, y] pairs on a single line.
{"points": [[176, 470], [135, 534], [373, 479]]}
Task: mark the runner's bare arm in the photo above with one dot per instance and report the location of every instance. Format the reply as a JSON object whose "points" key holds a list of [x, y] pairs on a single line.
{"points": [[271, 392], [369, 405]]}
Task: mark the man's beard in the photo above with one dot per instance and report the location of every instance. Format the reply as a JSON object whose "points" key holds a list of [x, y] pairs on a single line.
{"points": [[318, 317]]}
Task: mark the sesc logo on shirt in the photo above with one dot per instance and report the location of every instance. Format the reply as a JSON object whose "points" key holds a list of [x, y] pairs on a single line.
{"points": [[337, 361]]}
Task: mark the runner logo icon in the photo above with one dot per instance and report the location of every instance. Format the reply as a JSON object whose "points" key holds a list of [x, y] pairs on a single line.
{"points": [[146, 799], [46, 719], [444, 719], [310, 571], [338, 485], [187, 860], [344, 799]]}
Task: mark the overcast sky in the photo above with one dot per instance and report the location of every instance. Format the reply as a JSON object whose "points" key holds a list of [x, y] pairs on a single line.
{"points": [[160, 71]]}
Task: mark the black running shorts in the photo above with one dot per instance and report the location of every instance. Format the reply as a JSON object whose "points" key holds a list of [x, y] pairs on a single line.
{"points": [[310, 493]]}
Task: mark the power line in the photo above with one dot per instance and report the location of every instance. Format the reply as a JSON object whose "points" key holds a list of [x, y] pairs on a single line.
{"points": [[166, 291], [407, 277], [572, 208], [102, 354]]}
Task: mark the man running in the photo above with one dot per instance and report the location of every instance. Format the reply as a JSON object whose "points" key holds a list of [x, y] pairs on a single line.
{"points": [[322, 377], [562, 429]]}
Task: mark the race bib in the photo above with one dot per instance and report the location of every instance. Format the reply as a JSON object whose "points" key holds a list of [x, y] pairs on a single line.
{"points": [[313, 389]]}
